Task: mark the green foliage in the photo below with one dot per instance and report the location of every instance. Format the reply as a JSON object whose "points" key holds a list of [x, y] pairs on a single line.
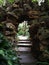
{"points": [[48, 2], [7, 55], [34, 1], [20, 32], [1, 2], [11, 1], [23, 29], [42, 63], [4, 43]]}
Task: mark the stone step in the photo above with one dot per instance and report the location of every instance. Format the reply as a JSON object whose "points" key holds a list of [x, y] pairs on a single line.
{"points": [[24, 44], [24, 52], [23, 49], [26, 58], [23, 41]]}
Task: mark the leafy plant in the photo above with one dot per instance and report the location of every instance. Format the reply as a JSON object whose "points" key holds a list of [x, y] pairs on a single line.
{"points": [[7, 55], [3, 2], [11, 1], [23, 29], [42, 63]]}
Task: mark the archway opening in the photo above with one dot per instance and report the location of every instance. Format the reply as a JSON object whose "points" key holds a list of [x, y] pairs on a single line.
{"points": [[23, 31]]}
